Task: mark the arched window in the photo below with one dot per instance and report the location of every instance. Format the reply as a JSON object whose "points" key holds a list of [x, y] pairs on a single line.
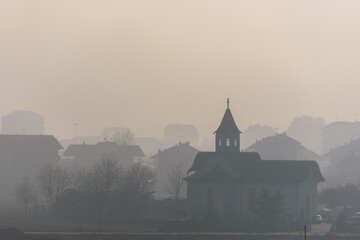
{"points": [[219, 142], [228, 142], [235, 142]]}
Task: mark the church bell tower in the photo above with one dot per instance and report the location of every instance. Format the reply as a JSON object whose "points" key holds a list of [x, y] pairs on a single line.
{"points": [[227, 135]]}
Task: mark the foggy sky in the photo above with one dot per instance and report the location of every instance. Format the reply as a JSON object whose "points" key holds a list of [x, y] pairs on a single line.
{"points": [[144, 64]]}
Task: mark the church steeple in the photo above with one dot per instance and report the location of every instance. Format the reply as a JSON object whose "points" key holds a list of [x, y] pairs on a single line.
{"points": [[227, 135]]}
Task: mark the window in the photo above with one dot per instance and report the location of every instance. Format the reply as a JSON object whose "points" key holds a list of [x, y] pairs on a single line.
{"points": [[220, 142], [228, 142], [235, 142]]}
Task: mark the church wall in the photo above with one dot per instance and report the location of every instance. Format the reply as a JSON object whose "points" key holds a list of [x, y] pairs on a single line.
{"points": [[230, 200], [220, 199], [273, 189]]}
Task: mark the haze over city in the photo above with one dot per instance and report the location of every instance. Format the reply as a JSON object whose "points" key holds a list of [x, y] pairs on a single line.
{"points": [[143, 64], [177, 120]]}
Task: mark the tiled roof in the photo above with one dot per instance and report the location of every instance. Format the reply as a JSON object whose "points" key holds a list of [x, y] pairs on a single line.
{"points": [[104, 147], [175, 148], [251, 168], [30, 140]]}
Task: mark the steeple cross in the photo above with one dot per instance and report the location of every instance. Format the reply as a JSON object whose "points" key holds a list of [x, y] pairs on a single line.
{"points": [[228, 103]]}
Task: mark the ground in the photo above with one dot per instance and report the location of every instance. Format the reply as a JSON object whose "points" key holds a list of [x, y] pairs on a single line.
{"points": [[318, 232]]}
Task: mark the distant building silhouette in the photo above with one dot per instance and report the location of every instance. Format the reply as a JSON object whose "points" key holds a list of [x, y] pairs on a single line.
{"points": [[227, 183], [255, 132], [346, 171], [307, 130], [174, 133], [283, 147], [22, 123], [180, 155], [22, 156], [86, 155], [149, 145], [339, 133], [338, 154], [80, 139]]}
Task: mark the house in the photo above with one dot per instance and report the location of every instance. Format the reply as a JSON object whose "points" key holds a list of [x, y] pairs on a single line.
{"points": [[229, 184], [283, 147], [22, 156], [178, 157], [86, 155], [339, 133], [343, 164], [22, 122], [348, 171], [338, 154]]}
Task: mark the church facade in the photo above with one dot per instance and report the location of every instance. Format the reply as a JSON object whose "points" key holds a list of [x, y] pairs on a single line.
{"points": [[230, 183]]}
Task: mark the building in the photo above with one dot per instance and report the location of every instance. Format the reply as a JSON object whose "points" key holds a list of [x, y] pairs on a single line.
{"points": [[174, 133], [346, 171], [22, 156], [23, 123], [178, 157], [344, 164], [338, 154], [228, 183], [86, 155], [283, 147], [339, 133]]}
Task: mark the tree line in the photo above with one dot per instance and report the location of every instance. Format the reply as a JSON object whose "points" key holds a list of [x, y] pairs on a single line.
{"points": [[95, 188]]}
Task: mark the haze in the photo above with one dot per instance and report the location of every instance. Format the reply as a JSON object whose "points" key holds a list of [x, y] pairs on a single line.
{"points": [[144, 64]]}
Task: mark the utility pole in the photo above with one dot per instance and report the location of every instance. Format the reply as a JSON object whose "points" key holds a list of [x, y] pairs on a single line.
{"points": [[305, 231], [76, 132]]}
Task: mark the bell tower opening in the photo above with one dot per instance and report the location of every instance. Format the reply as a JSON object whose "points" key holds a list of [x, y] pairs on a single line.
{"points": [[227, 135]]}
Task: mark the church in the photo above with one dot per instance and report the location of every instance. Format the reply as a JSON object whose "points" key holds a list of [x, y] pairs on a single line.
{"points": [[230, 183]]}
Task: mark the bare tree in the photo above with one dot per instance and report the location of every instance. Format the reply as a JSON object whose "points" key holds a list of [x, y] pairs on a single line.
{"points": [[175, 187], [78, 178], [51, 181], [104, 178], [139, 180], [138, 183], [25, 193], [123, 137]]}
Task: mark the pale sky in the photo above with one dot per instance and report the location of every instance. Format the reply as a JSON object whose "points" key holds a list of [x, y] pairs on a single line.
{"points": [[144, 64]]}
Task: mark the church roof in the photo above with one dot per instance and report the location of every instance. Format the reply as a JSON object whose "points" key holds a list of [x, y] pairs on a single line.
{"points": [[228, 124], [235, 159], [216, 174], [248, 167]]}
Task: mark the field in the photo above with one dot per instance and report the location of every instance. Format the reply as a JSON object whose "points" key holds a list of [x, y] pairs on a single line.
{"points": [[319, 232], [197, 236]]}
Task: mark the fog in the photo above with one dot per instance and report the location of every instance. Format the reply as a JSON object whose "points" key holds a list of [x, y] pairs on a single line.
{"points": [[119, 63], [125, 116]]}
